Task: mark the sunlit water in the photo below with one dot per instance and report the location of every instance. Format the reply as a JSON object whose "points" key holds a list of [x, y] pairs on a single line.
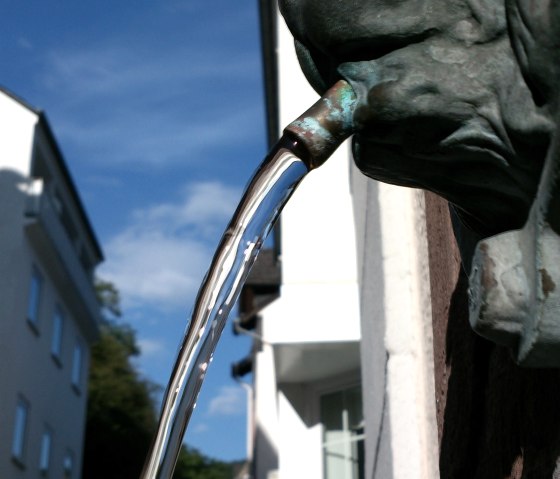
{"points": [[269, 190]]}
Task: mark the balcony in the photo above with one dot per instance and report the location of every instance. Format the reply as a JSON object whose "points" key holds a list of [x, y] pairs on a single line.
{"points": [[261, 288], [59, 255]]}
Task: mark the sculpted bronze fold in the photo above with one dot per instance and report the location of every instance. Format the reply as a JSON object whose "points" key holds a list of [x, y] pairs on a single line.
{"points": [[461, 98]]}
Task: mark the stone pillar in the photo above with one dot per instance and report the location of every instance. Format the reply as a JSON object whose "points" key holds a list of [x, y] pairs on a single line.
{"points": [[496, 420]]}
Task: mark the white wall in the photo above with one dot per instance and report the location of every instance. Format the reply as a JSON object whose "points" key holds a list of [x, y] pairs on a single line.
{"points": [[26, 366], [319, 300], [265, 456], [326, 250], [16, 135], [397, 351], [318, 237], [300, 437]]}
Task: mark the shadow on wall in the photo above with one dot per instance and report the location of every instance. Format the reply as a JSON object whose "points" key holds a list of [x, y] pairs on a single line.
{"points": [[501, 421], [296, 394], [11, 181], [265, 455]]}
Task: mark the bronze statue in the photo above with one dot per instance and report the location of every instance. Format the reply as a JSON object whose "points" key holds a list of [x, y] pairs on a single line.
{"points": [[460, 97]]}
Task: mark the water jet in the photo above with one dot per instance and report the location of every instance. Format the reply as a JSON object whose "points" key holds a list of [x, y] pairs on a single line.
{"points": [[306, 144]]}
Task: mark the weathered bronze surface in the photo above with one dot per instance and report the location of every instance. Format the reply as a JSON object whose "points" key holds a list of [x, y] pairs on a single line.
{"points": [[326, 124], [460, 97]]}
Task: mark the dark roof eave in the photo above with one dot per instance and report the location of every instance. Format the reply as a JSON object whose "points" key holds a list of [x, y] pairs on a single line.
{"points": [[20, 100], [44, 124]]}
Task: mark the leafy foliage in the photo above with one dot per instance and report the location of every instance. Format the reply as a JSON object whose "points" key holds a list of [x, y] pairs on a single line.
{"points": [[193, 465], [109, 297], [120, 415]]}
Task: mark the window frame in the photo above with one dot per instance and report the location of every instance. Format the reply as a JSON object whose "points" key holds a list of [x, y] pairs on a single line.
{"points": [[351, 443], [18, 448], [45, 458], [327, 386], [57, 337], [68, 463], [34, 298], [77, 366]]}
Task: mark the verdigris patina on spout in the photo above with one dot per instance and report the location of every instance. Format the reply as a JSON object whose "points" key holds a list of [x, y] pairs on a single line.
{"points": [[460, 98]]}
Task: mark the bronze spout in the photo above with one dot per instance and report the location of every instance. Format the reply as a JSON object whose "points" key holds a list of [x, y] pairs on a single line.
{"points": [[323, 127]]}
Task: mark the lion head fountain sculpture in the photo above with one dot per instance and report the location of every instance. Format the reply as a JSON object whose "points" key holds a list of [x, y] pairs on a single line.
{"points": [[460, 97]]}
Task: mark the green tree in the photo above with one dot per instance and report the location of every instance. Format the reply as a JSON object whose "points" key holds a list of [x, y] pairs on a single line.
{"points": [[109, 298], [120, 419], [194, 465]]}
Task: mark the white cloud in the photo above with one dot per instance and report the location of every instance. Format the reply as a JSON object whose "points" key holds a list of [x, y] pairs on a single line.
{"points": [[150, 347], [24, 43], [200, 428], [202, 204], [149, 266], [122, 105], [152, 137], [158, 259], [230, 401], [149, 112], [117, 70]]}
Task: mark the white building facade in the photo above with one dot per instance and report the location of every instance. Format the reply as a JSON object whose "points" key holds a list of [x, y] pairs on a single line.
{"points": [[49, 314], [343, 373]]}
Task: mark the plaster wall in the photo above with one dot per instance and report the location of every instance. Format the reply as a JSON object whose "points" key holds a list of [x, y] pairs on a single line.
{"points": [[27, 368], [324, 313], [16, 134], [265, 411], [317, 234], [397, 357], [318, 304], [301, 458], [355, 262], [496, 420]]}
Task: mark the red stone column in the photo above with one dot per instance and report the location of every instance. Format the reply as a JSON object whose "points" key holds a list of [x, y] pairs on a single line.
{"points": [[495, 419]]}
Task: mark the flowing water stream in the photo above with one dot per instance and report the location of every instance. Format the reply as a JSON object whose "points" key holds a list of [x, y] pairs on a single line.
{"points": [[306, 143]]}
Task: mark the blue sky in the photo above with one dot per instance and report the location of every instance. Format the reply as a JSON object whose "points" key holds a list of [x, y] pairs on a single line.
{"points": [[158, 109]]}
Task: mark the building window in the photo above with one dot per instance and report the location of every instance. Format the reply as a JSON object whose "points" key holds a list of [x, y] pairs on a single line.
{"points": [[343, 434], [77, 365], [68, 464], [56, 340], [20, 430], [45, 455], [34, 297]]}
